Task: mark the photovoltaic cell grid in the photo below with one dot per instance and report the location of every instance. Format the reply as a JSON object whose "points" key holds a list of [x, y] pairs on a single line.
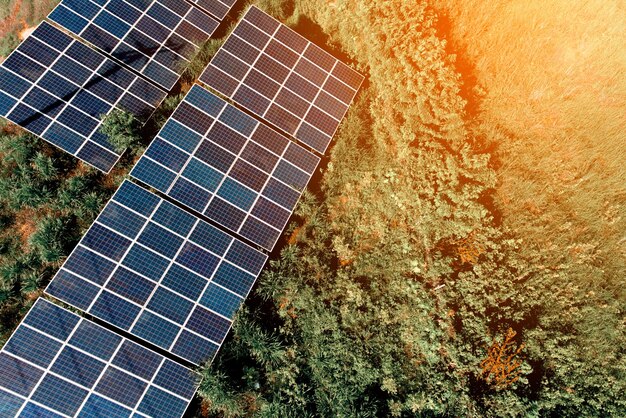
{"points": [[220, 162], [57, 364], [154, 37], [218, 8], [282, 77], [156, 271], [58, 88]]}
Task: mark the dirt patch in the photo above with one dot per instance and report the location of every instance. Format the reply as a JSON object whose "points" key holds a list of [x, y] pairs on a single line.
{"points": [[25, 224], [10, 22]]}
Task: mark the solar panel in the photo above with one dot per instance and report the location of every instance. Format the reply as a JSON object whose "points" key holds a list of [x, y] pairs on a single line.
{"points": [[220, 162], [280, 76], [218, 8], [154, 37], [57, 364], [160, 273], [57, 88]]}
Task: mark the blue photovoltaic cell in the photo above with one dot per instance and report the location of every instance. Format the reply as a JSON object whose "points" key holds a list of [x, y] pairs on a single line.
{"points": [[78, 368], [49, 86], [155, 37], [280, 76], [240, 173], [171, 279]]}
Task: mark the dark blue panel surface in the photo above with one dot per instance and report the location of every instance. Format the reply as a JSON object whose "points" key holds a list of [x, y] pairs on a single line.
{"points": [[32, 410], [184, 282], [170, 305], [177, 379], [99, 407], [234, 279], [106, 242], [174, 219], [62, 71], [194, 348], [59, 394], [197, 259], [78, 367], [115, 310], [146, 262], [222, 173], [136, 198], [221, 300], [189, 194], [134, 31], [121, 386], [130, 285], [121, 219], [54, 320], [90, 265], [162, 267], [95, 340], [157, 402], [153, 174], [32, 346], [181, 136], [93, 372], [9, 404], [137, 360], [17, 375], [156, 330]]}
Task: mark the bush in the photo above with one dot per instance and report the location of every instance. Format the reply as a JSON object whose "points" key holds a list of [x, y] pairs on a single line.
{"points": [[123, 130]]}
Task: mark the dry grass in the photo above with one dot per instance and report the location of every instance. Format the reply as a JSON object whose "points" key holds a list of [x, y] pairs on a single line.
{"points": [[551, 77]]}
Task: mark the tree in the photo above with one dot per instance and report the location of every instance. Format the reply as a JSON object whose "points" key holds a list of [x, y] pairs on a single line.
{"points": [[123, 130]]}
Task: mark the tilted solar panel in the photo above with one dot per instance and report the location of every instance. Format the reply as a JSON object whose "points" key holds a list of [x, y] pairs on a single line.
{"points": [[220, 162], [57, 364], [277, 74], [154, 37], [58, 88], [162, 274], [218, 8]]}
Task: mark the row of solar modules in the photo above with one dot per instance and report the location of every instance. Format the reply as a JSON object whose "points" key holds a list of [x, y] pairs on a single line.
{"points": [[154, 270], [282, 77], [57, 364], [160, 273], [59, 88], [154, 37], [220, 162]]}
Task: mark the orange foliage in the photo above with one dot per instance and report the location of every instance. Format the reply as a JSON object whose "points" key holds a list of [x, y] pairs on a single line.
{"points": [[284, 305], [500, 369], [293, 238], [468, 249]]}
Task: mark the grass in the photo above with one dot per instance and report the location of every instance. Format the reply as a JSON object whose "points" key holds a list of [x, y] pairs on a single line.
{"points": [[18, 15], [550, 86]]}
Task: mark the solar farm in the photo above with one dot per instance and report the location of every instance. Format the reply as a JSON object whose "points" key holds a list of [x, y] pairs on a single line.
{"points": [[164, 268]]}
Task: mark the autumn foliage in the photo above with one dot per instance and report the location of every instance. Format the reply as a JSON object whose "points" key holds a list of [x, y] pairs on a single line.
{"points": [[501, 368]]}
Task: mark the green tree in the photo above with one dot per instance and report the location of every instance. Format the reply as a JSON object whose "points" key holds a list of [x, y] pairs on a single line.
{"points": [[123, 130]]}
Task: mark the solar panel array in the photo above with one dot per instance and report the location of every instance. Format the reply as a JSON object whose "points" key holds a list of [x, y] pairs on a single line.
{"points": [[57, 364], [147, 266], [280, 76], [150, 268], [220, 162], [154, 37], [218, 8], [58, 88]]}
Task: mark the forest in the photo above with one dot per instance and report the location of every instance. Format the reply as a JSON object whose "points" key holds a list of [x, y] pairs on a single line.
{"points": [[461, 252]]}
